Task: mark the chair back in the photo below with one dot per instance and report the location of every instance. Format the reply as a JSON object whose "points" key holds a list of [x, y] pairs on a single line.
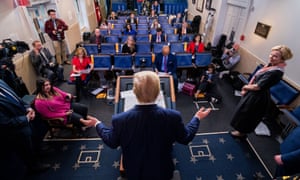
{"points": [[157, 47], [111, 38], [173, 37], [282, 93], [143, 60], [142, 38], [109, 48], [91, 49], [102, 62], [123, 61], [203, 59], [176, 47], [184, 60], [143, 47]]}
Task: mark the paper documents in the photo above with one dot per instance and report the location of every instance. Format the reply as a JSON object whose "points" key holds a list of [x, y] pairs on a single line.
{"points": [[130, 99]]}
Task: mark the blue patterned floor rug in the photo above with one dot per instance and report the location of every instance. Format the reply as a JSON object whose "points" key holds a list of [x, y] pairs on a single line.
{"points": [[209, 156]]}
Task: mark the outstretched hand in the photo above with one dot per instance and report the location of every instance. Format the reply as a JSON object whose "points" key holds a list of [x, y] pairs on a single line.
{"points": [[90, 122], [202, 113]]}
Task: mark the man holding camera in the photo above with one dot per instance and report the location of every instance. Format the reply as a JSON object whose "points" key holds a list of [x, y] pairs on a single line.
{"points": [[55, 28], [44, 63]]}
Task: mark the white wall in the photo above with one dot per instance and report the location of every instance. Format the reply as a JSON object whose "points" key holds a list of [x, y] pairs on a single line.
{"points": [[282, 16]]}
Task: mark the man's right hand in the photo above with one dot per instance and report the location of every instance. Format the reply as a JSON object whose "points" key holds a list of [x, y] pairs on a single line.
{"points": [[202, 113]]}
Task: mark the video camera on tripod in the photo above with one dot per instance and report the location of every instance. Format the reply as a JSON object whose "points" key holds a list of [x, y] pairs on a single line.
{"points": [[8, 49]]}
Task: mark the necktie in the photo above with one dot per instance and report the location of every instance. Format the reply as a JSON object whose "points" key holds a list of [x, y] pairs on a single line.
{"points": [[44, 56], [158, 38], [54, 24], [165, 64]]}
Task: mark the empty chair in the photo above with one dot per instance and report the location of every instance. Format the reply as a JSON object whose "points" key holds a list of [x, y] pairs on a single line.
{"points": [[143, 21], [203, 59], [177, 47], [184, 60], [121, 20], [282, 93], [102, 62], [116, 31], [142, 38], [111, 38], [110, 48], [157, 47], [123, 38], [103, 32], [142, 31], [91, 49], [187, 37], [293, 118], [173, 37], [143, 26], [112, 21], [164, 26], [119, 26], [123, 62], [168, 30], [143, 60], [143, 47]]}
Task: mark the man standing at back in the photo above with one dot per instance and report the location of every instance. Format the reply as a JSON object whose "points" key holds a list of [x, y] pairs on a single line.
{"points": [[56, 28]]}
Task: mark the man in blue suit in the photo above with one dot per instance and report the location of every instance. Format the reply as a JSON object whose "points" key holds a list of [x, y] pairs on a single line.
{"points": [[166, 63], [15, 131], [146, 133], [289, 158], [158, 37]]}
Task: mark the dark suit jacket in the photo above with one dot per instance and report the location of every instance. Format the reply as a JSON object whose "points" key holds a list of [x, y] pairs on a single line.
{"points": [[290, 153], [38, 62], [93, 39], [130, 22], [171, 63], [146, 135], [13, 120], [162, 38]]}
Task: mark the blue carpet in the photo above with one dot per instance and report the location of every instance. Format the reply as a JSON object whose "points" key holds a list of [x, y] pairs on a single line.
{"points": [[218, 156], [209, 156]]}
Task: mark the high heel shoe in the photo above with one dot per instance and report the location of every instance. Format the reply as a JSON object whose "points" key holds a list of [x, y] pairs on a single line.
{"points": [[237, 135]]}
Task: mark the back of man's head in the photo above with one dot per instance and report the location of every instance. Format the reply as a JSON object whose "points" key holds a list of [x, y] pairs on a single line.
{"points": [[146, 86]]}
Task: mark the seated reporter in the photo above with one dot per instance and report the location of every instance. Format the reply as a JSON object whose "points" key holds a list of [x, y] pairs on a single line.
{"points": [[146, 133], [166, 62], [82, 66], [45, 63], [53, 103], [129, 30], [129, 47]]}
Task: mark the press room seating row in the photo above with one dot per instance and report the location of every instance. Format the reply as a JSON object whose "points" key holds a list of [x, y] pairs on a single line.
{"points": [[127, 61], [142, 47]]}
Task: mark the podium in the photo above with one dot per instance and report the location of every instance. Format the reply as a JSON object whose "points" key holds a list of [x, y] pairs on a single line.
{"points": [[125, 83]]}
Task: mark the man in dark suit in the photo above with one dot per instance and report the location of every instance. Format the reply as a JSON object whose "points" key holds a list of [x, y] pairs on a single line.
{"points": [[44, 63], [15, 132], [132, 19], [146, 133], [97, 38], [289, 158], [185, 29], [158, 37], [177, 19], [167, 63]]}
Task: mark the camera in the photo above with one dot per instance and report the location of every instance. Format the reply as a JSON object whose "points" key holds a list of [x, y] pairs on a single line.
{"points": [[10, 48]]}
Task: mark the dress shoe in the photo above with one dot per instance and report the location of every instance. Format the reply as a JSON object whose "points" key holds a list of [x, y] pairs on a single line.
{"points": [[67, 62], [238, 135]]}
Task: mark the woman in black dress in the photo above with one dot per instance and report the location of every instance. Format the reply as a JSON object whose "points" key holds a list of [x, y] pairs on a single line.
{"points": [[256, 96], [129, 47]]}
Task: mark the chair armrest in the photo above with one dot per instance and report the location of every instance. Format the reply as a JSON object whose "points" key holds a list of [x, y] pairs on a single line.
{"points": [[291, 117]]}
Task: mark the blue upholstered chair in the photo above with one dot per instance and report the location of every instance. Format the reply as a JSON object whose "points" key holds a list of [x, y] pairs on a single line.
{"points": [[103, 32], [142, 38], [282, 93], [111, 38], [187, 37], [123, 62], [293, 120], [91, 49], [184, 60], [143, 47], [116, 31], [142, 31], [109, 48], [177, 47], [203, 59], [102, 62], [157, 47], [143, 26], [143, 60], [173, 37]]}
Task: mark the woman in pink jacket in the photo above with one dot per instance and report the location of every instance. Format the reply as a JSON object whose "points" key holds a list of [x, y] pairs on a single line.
{"points": [[53, 103]]}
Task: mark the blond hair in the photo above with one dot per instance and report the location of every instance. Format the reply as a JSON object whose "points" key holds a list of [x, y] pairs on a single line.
{"points": [[285, 52], [80, 49], [146, 86]]}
